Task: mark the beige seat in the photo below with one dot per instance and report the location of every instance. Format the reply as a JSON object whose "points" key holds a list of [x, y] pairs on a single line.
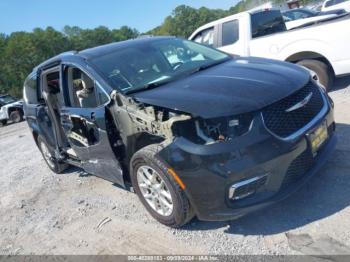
{"points": [[86, 95], [77, 86]]}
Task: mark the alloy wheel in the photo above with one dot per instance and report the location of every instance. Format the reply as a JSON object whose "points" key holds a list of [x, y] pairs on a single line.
{"points": [[154, 190], [16, 117]]}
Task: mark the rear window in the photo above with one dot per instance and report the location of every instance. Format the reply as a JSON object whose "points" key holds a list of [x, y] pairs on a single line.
{"points": [[230, 32], [329, 3], [298, 14], [334, 2], [6, 99], [30, 89], [267, 23]]}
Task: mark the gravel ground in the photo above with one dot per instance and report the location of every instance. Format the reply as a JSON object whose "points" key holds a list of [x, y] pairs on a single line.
{"points": [[44, 213]]}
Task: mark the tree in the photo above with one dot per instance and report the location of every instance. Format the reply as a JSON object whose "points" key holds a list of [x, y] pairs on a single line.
{"points": [[20, 52], [20, 57], [185, 19], [3, 40], [124, 33]]}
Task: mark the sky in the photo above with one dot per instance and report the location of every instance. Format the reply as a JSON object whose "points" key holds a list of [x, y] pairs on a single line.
{"points": [[24, 15]]}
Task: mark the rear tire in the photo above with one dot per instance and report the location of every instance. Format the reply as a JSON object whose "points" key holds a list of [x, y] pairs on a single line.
{"points": [[16, 116], [3, 122], [48, 154], [180, 212], [323, 73]]}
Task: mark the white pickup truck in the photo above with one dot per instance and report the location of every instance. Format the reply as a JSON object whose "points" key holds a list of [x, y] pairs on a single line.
{"points": [[10, 109], [323, 47]]}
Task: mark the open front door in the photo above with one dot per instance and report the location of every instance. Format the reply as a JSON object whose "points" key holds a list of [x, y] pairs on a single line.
{"points": [[84, 123]]}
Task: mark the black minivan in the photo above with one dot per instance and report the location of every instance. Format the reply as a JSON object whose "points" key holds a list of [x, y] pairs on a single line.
{"points": [[194, 131]]}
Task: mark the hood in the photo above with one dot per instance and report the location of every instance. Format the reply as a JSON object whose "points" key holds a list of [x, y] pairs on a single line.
{"points": [[15, 104], [237, 86]]}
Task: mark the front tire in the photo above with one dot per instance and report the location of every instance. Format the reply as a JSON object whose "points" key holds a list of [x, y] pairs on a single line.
{"points": [[48, 154], [16, 116], [324, 75], [157, 189]]}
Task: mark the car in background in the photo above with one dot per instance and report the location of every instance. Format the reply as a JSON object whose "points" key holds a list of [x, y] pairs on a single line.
{"points": [[301, 16], [10, 109], [301, 13], [316, 7], [336, 4], [322, 46], [290, 24]]}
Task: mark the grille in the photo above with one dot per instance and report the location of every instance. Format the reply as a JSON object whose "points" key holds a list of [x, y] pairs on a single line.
{"points": [[302, 164], [283, 123]]}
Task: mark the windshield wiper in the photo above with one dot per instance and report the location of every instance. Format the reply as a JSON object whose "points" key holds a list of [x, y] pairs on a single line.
{"points": [[159, 83], [206, 66], [148, 86]]}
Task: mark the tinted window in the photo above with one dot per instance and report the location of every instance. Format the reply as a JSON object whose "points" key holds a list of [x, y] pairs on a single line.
{"points": [[334, 2], [53, 82], [31, 82], [205, 37], [266, 23], [230, 32], [51, 85], [30, 89], [7, 99], [329, 3], [298, 14]]}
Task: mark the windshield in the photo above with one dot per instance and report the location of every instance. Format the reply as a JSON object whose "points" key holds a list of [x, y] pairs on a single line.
{"points": [[299, 14], [334, 2], [7, 99], [153, 63]]}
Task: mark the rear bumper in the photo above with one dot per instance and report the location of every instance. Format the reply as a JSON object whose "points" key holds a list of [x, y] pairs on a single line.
{"points": [[209, 172]]}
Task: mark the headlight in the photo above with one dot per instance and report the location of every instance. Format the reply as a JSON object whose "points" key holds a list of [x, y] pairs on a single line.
{"points": [[208, 131], [226, 128]]}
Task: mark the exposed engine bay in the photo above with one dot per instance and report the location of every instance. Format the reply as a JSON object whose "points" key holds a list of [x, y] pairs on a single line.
{"points": [[168, 124]]}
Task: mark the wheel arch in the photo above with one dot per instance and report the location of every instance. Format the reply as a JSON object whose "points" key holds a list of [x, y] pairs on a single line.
{"points": [[14, 108], [136, 143], [309, 55], [126, 144], [35, 136]]}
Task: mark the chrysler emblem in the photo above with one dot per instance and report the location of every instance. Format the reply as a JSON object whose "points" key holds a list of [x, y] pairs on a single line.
{"points": [[300, 104]]}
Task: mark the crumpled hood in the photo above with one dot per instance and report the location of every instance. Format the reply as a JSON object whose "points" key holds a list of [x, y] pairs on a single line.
{"points": [[237, 86]]}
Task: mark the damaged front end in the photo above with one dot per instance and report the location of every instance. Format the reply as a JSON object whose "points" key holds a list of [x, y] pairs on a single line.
{"points": [[137, 121], [230, 165]]}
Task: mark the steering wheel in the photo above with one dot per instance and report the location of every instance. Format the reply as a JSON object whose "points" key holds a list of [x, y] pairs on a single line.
{"points": [[177, 65]]}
